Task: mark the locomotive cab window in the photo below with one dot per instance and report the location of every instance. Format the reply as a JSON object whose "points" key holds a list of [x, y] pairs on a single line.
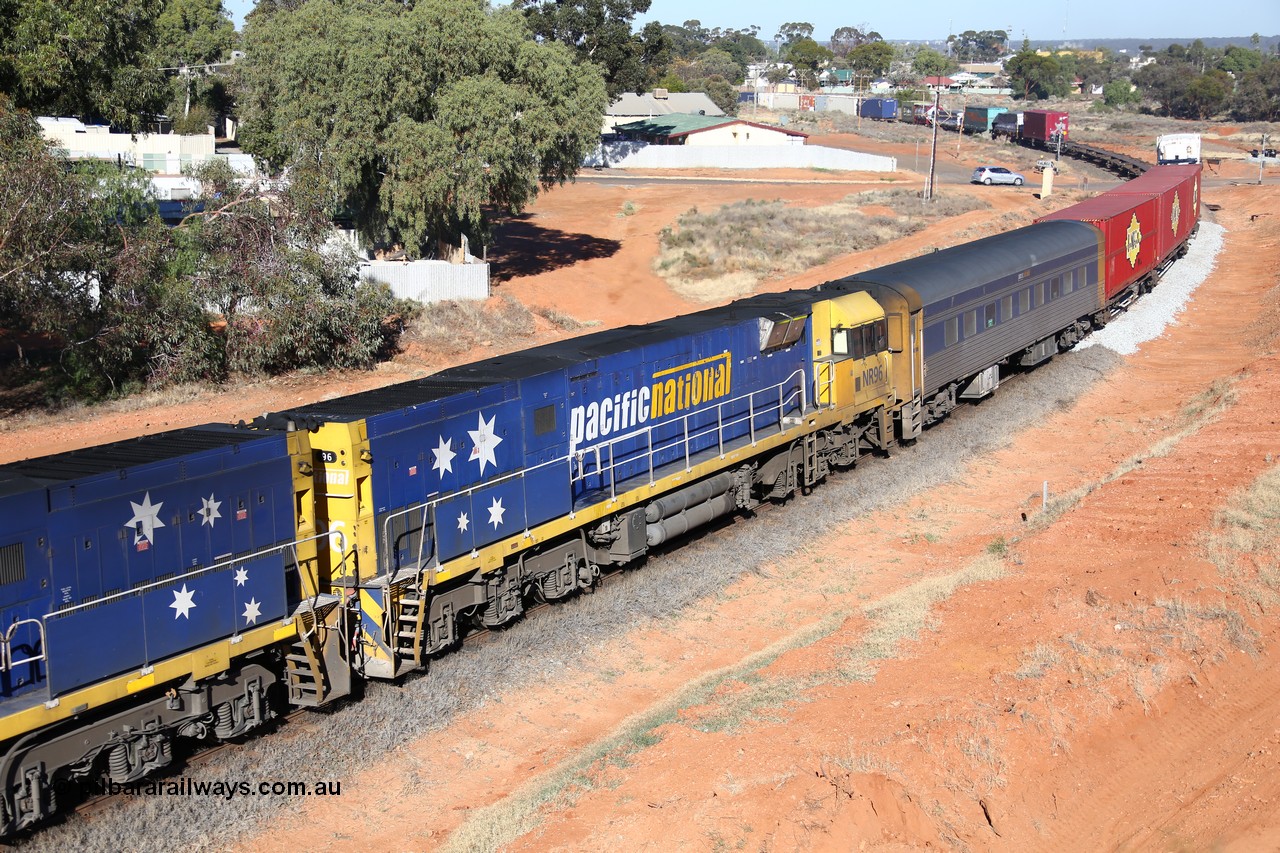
{"points": [[840, 342]]}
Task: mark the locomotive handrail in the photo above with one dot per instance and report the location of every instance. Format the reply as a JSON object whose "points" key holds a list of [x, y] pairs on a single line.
{"points": [[427, 507], [6, 648], [201, 571], [795, 388]]}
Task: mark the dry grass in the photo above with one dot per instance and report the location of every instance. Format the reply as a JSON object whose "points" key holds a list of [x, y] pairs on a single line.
{"points": [[726, 253], [452, 328], [1244, 542], [497, 825], [1197, 414], [902, 615]]}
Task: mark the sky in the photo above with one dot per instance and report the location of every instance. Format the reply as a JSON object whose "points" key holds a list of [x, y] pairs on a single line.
{"points": [[918, 20]]}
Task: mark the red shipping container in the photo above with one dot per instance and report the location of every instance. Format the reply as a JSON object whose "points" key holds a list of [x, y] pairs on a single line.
{"points": [[1178, 188], [1041, 125], [1128, 223]]}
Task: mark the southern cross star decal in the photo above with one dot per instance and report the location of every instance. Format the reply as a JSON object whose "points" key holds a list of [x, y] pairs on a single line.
{"points": [[146, 518], [462, 522], [252, 610], [242, 575], [484, 440], [496, 511], [209, 510], [183, 602], [444, 456]]}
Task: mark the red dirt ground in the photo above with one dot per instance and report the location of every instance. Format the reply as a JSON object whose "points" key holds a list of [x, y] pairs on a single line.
{"points": [[1112, 690]]}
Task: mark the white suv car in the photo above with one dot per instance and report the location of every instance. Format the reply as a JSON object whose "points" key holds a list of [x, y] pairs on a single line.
{"points": [[996, 175]]}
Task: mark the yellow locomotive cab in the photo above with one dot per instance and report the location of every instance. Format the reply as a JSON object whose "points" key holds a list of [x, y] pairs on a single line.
{"points": [[851, 354]]}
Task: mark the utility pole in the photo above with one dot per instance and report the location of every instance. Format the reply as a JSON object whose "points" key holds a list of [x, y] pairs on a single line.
{"points": [[933, 150], [1262, 157]]}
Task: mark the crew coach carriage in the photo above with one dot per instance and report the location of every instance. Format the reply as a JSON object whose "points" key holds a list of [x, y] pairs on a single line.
{"points": [[1015, 298]]}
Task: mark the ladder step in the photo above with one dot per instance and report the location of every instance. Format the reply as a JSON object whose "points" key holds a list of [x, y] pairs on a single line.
{"points": [[298, 659]]}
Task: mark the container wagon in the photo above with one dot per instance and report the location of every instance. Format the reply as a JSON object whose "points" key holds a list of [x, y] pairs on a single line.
{"points": [[1008, 124], [1129, 226], [1177, 190], [880, 109], [980, 119], [1043, 128]]}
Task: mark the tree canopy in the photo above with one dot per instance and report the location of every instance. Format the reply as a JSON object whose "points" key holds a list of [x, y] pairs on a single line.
{"points": [[599, 31], [82, 58], [425, 120]]}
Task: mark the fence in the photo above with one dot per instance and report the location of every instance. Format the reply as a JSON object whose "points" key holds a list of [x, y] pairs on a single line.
{"points": [[633, 155], [429, 281]]}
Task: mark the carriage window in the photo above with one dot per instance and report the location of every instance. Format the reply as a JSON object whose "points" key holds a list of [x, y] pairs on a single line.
{"points": [[1037, 295], [544, 420], [1055, 288], [990, 316], [951, 331], [1024, 301], [1006, 308], [970, 323], [840, 342]]}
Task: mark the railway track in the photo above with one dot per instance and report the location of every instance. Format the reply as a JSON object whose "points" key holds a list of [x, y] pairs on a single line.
{"points": [[1121, 164]]}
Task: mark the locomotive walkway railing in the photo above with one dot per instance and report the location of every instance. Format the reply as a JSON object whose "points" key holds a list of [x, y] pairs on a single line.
{"points": [[7, 662], [787, 391], [791, 395]]}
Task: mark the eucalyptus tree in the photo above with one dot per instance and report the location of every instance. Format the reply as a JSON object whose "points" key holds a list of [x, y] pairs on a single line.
{"points": [[426, 119]]}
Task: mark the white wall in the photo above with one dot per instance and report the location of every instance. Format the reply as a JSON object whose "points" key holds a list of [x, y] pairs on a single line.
{"points": [[741, 135], [165, 153], [429, 281], [631, 155]]}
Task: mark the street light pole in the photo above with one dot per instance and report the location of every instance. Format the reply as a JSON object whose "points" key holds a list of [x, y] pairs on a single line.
{"points": [[933, 150]]}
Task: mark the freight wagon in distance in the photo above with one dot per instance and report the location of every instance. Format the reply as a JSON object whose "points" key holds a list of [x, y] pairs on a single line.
{"points": [[880, 109], [980, 119]]}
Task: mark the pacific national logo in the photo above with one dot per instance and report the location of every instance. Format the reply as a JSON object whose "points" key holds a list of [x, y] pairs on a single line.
{"points": [[683, 388], [676, 390], [1176, 213], [1133, 241]]}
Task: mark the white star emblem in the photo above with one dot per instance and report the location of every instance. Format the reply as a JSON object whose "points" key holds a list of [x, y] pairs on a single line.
{"points": [[146, 518], [484, 441], [462, 523], [496, 511], [242, 575], [209, 511], [252, 610], [183, 602], [444, 456]]}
